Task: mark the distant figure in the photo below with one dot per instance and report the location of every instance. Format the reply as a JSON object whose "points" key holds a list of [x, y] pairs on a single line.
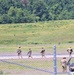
{"points": [[64, 64], [29, 53], [43, 52], [19, 52], [70, 51]]}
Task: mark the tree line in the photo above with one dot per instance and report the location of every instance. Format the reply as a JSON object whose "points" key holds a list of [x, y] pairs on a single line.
{"points": [[26, 11]]}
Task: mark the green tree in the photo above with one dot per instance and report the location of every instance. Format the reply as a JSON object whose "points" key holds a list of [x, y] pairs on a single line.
{"points": [[15, 11]]}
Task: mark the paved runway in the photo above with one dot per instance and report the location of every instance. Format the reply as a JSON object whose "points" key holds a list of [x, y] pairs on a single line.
{"points": [[34, 56]]}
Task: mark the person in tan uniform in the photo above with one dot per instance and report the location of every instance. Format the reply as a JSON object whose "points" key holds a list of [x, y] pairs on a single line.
{"points": [[29, 53], [19, 52], [43, 52], [70, 51], [64, 64]]}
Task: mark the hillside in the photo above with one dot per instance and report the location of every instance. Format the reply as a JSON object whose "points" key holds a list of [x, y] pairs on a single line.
{"points": [[60, 31]]}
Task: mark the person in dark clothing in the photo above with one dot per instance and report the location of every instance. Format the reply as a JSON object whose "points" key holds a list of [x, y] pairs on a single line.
{"points": [[19, 52]]}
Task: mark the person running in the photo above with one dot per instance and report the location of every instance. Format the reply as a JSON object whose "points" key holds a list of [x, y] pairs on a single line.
{"points": [[43, 52], [64, 64], [19, 52], [70, 51], [29, 53]]}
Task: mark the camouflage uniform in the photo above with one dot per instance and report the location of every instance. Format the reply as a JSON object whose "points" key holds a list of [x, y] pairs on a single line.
{"points": [[43, 52], [19, 52], [29, 53], [64, 64], [70, 50]]}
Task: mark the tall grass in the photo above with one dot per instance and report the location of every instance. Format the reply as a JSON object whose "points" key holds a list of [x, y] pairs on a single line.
{"points": [[61, 31]]}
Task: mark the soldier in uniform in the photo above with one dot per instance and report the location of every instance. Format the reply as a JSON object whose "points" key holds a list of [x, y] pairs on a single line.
{"points": [[70, 51], [29, 53], [64, 64], [43, 52], [19, 52]]}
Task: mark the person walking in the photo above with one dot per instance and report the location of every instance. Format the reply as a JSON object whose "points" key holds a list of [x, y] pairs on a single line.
{"points": [[70, 51], [43, 52], [64, 64], [29, 53], [19, 52]]}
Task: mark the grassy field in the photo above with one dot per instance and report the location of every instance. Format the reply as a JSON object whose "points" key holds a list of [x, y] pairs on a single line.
{"points": [[12, 49], [35, 67], [30, 67], [35, 36], [61, 31], [26, 71]]}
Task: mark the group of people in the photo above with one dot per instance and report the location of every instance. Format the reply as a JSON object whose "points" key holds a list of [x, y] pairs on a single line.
{"points": [[29, 53], [65, 62]]}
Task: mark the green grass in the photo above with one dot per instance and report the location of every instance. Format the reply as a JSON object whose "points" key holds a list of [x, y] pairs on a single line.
{"points": [[35, 36], [60, 31], [44, 64], [20, 70], [11, 49]]}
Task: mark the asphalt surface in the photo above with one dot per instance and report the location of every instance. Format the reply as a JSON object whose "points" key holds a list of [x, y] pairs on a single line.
{"points": [[34, 56]]}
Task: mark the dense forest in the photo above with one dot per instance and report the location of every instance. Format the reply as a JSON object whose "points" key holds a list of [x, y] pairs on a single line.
{"points": [[26, 11]]}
